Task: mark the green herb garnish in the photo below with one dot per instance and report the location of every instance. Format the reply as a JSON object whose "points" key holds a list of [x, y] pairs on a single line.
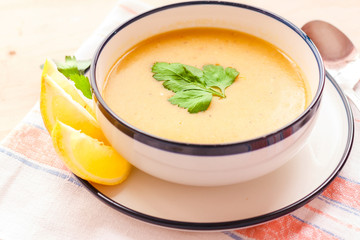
{"points": [[193, 87], [74, 70]]}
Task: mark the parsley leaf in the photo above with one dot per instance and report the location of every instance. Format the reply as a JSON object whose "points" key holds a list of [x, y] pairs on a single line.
{"points": [[73, 66], [194, 87], [82, 83], [217, 76], [176, 71], [179, 85], [74, 70], [194, 100]]}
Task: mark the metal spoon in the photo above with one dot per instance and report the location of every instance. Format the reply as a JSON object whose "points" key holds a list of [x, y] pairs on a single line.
{"points": [[340, 57]]}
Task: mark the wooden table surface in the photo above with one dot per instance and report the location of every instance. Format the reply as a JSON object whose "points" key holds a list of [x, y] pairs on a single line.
{"points": [[32, 30]]}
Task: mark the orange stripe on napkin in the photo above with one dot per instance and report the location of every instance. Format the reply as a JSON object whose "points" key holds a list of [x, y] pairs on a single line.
{"points": [[315, 210], [35, 144], [286, 227], [344, 191]]}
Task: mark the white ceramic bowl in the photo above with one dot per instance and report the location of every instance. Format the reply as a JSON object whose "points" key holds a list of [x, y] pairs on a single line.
{"points": [[208, 164]]}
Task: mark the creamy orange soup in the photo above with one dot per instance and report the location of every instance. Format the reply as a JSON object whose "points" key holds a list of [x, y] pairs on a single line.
{"points": [[269, 92]]}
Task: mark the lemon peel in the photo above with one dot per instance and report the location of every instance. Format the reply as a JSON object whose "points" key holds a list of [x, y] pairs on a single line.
{"points": [[55, 104], [87, 157], [51, 70]]}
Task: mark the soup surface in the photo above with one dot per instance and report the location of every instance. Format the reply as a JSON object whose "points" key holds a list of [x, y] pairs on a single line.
{"points": [[269, 92]]}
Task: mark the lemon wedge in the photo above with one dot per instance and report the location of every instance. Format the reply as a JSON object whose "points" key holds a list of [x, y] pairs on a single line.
{"points": [[55, 104], [87, 157], [51, 70], [76, 135]]}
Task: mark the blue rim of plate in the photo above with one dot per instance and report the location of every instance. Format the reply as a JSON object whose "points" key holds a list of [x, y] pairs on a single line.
{"points": [[242, 223], [208, 149]]}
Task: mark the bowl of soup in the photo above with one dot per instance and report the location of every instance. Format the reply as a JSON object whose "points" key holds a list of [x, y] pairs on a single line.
{"points": [[262, 119]]}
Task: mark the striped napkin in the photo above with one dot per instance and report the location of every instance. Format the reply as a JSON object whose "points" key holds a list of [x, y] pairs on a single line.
{"points": [[41, 199]]}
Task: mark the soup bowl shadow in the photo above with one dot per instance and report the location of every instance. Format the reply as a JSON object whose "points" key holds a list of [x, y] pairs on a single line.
{"points": [[208, 164]]}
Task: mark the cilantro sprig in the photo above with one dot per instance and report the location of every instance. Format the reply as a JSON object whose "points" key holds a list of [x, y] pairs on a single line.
{"points": [[193, 87], [75, 70]]}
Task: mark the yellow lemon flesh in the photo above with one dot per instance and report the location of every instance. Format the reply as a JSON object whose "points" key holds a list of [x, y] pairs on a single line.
{"points": [[55, 104], [75, 132], [51, 70], [87, 157]]}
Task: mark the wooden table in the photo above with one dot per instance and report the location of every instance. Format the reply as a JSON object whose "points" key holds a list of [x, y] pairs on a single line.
{"points": [[32, 30]]}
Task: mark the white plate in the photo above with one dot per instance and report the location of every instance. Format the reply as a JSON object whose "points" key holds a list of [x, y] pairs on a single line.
{"points": [[241, 205]]}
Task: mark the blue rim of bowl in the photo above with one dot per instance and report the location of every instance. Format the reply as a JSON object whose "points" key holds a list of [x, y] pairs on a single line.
{"points": [[209, 149], [241, 223]]}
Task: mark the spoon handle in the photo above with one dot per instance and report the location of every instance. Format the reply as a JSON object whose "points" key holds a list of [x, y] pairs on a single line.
{"points": [[350, 93], [348, 75]]}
